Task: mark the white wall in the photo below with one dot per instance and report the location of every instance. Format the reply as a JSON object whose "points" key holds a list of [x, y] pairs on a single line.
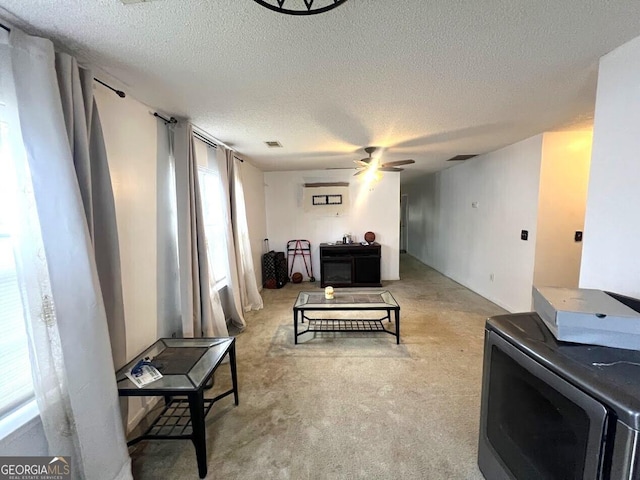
{"points": [[131, 138], [254, 197], [374, 207], [481, 247], [564, 175], [611, 256]]}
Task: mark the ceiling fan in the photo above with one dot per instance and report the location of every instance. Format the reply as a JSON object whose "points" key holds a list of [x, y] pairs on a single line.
{"points": [[366, 164]]}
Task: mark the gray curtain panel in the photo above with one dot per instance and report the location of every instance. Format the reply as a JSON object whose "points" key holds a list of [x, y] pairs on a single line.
{"points": [[92, 170], [249, 294], [235, 285], [79, 410], [197, 311], [168, 278]]}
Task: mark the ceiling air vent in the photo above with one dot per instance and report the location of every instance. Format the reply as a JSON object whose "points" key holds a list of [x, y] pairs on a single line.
{"points": [[459, 158], [274, 144]]}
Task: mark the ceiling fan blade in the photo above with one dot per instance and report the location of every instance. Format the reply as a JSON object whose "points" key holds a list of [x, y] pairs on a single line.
{"points": [[390, 169], [361, 163], [397, 163], [359, 172], [340, 168]]}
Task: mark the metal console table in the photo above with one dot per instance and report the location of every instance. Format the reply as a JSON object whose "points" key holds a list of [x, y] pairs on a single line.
{"points": [[187, 366], [381, 301]]}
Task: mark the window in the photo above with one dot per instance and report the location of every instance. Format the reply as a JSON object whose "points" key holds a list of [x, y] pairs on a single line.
{"points": [[16, 387], [215, 227]]}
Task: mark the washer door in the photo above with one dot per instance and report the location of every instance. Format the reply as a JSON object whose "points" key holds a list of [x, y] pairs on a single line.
{"points": [[534, 424]]}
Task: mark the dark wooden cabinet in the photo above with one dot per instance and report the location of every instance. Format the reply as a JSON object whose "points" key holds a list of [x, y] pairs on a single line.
{"points": [[350, 265]]}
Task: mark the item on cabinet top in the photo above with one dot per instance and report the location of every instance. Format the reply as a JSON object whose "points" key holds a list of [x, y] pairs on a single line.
{"points": [[328, 293], [370, 237]]}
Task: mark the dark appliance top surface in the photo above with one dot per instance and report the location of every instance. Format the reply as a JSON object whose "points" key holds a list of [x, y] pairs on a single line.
{"points": [[612, 375]]}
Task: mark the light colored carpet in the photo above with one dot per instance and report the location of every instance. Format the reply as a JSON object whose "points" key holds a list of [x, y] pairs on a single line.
{"points": [[347, 406]]}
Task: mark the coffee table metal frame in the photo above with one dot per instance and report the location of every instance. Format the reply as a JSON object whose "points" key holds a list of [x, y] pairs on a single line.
{"points": [[345, 301], [183, 418]]}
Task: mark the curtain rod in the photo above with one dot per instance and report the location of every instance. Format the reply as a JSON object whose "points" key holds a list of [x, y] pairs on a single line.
{"points": [[120, 93], [204, 139], [166, 120]]}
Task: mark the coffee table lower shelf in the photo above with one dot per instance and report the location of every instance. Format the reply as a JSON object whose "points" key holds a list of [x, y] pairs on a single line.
{"points": [[342, 325], [345, 325]]}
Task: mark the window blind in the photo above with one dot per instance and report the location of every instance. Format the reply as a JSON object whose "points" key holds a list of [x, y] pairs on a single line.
{"points": [[16, 387]]}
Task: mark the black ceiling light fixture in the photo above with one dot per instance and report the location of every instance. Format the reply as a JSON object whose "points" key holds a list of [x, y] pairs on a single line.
{"points": [[300, 7]]}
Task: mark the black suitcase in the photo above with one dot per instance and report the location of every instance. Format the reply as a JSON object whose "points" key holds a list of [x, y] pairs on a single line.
{"points": [[274, 268]]}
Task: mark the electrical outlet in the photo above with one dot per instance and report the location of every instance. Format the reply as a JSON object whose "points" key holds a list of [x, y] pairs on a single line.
{"points": [[524, 235]]}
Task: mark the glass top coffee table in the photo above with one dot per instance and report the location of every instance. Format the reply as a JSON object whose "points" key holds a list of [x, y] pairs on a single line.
{"points": [[345, 301], [187, 366]]}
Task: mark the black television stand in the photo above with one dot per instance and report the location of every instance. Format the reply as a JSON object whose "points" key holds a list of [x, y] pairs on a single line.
{"points": [[350, 265]]}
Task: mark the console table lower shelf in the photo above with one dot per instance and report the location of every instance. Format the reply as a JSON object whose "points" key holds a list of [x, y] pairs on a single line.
{"points": [[174, 422], [345, 302]]}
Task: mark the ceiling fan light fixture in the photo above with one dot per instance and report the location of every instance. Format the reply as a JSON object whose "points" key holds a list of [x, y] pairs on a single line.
{"points": [[300, 7], [376, 164], [371, 175]]}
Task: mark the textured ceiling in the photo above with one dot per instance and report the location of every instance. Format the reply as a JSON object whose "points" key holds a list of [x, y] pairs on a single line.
{"points": [[427, 79]]}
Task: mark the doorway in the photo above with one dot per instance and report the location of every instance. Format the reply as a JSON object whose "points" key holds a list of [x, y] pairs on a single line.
{"points": [[404, 203]]}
